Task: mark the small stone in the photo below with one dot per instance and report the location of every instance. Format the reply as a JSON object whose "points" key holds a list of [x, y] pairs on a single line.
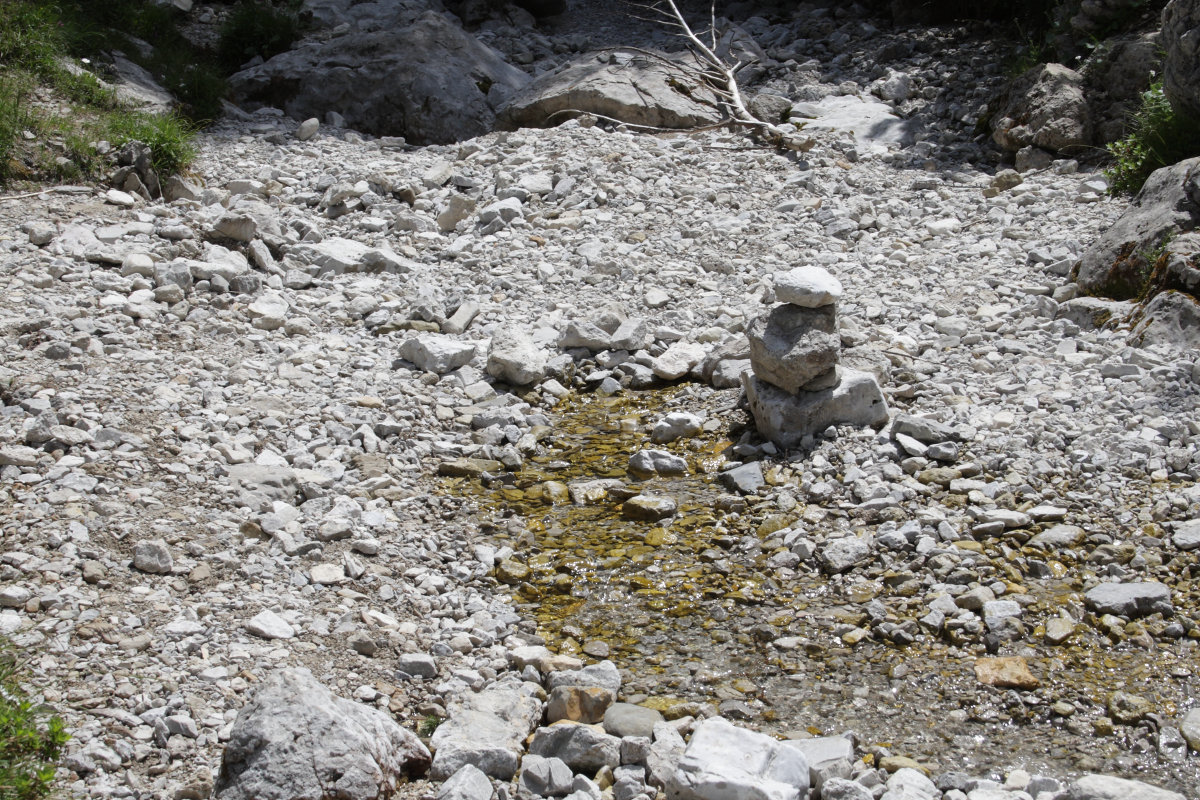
{"points": [[1058, 630], [511, 572], [308, 129], [649, 507], [153, 557], [1128, 709], [269, 625], [675, 425], [362, 643], [745, 479], [1190, 728], [626, 719], [1187, 535], [1006, 673], [578, 704]]}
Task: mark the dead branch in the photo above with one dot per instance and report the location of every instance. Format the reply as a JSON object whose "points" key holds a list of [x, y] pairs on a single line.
{"points": [[720, 78]]}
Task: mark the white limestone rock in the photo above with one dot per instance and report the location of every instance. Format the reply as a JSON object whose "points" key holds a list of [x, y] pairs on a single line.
{"points": [[723, 762]]}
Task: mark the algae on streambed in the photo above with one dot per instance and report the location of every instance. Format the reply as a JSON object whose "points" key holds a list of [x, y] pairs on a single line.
{"points": [[692, 608]]}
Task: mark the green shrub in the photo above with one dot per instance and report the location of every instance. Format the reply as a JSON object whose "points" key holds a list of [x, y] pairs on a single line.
{"points": [[170, 137], [31, 740], [255, 29], [1159, 136]]}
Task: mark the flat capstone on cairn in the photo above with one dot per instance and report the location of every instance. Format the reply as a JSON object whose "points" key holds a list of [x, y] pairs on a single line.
{"points": [[797, 387]]}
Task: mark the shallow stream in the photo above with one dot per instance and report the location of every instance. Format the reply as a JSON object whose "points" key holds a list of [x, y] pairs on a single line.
{"points": [[692, 609]]}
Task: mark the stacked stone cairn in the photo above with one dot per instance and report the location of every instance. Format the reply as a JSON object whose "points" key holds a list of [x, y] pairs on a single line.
{"points": [[797, 387]]}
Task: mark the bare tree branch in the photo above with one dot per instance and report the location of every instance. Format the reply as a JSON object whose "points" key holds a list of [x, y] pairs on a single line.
{"points": [[721, 78]]}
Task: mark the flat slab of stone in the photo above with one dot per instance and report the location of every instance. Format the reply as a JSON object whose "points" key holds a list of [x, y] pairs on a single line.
{"points": [[809, 287], [873, 123], [1130, 599], [1187, 535], [786, 419], [635, 89], [1107, 787], [433, 352]]}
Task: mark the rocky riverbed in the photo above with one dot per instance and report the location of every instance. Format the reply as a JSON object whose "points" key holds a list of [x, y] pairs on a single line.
{"points": [[378, 411]]}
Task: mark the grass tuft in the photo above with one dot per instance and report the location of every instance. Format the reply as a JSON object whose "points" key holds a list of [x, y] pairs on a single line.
{"points": [[169, 136]]}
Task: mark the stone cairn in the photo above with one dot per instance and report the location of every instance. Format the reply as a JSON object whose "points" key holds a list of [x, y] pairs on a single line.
{"points": [[797, 387]]}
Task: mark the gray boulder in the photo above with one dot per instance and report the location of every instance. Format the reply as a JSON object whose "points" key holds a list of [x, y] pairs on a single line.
{"points": [[514, 358], [428, 81], [1130, 599], [584, 748], [486, 730], [1045, 107], [873, 124], [435, 353], [632, 88], [1169, 317], [786, 418], [791, 345], [1119, 263], [1181, 64], [296, 739]]}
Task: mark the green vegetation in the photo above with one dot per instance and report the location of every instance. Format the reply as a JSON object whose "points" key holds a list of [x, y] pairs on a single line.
{"points": [[1159, 135], [31, 740], [428, 725], [54, 111]]}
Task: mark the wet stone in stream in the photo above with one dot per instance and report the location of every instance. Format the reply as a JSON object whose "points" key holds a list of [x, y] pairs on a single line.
{"points": [[706, 597]]}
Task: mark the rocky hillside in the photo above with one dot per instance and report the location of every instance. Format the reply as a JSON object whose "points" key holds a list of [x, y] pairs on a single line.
{"points": [[352, 466]]}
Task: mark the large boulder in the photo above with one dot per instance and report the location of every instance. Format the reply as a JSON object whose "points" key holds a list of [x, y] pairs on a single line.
{"points": [[1045, 107], [430, 81], [296, 739], [1181, 63], [632, 88], [723, 762], [1120, 262]]}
